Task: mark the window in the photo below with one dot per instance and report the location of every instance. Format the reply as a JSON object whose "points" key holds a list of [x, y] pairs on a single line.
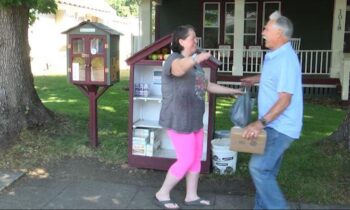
{"points": [[250, 23], [268, 8], [347, 31], [211, 25], [229, 23], [218, 21]]}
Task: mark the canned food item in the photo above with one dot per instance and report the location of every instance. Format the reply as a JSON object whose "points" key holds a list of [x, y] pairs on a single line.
{"points": [[145, 89]]}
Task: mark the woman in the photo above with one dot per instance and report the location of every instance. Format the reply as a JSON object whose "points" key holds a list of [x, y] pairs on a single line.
{"points": [[183, 90]]}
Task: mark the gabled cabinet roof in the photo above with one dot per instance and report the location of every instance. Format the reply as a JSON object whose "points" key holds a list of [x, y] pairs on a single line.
{"points": [[157, 46], [143, 54], [99, 26]]}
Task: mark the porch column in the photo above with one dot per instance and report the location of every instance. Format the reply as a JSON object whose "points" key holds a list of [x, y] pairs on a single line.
{"points": [[238, 38], [345, 81], [338, 37], [146, 22]]}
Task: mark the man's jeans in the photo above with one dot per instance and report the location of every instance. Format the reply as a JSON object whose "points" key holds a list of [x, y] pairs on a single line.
{"points": [[264, 170]]}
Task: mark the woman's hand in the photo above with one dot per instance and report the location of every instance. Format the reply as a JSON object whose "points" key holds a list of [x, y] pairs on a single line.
{"points": [[249, 81], [222, 90], [199, 58], [237, 92]]}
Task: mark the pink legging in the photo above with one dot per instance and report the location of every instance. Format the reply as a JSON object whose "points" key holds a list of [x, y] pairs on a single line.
{"points": [[188, 148]]}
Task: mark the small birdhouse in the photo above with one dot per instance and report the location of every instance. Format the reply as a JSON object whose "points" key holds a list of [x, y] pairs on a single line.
{"points": [[92, 54]]}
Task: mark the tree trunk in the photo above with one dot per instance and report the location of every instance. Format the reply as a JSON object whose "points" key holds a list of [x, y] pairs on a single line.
{"points": [[20, 106], [342, 134]]}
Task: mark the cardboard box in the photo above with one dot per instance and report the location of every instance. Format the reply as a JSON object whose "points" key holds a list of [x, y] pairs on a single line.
{"points": [[240, 144], [141, 132], [139, 145], [152, 148], [145, 141]]}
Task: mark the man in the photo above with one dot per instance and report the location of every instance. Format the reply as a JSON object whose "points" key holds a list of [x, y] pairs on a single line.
{"points": [[280, 106]]}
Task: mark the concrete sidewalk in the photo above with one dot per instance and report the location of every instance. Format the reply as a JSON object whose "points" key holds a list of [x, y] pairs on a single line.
{"points": [[68, 185]]}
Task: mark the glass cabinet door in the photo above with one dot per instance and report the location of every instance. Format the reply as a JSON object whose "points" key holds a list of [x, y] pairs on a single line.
{"points": [[97, 69], [88, 58], [78, 68], [97, 60], [78, 61], [78, 45], [96, 46]]}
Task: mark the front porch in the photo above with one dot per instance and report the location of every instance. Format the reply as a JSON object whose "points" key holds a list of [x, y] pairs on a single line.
{"points": [[231, 31]]}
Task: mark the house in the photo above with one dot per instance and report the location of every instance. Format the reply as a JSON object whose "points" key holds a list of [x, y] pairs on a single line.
{"points": [[48, 44], [231, 30]]}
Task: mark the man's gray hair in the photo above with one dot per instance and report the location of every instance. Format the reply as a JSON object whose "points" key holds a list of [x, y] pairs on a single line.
{"points": [[283, 23]]}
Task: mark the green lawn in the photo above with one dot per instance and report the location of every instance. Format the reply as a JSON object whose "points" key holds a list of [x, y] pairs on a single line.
{"points": [[313, 171]]}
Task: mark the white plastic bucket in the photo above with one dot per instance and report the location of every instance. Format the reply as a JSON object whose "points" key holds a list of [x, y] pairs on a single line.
{"points": [[224, 160]]}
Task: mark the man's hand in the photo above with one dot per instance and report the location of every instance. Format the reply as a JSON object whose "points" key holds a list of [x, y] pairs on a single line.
{"points": [[252, 130], [249, 81]]}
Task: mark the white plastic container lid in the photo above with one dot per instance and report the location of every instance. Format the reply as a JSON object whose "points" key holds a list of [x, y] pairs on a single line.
{"points": [[223, 143]]}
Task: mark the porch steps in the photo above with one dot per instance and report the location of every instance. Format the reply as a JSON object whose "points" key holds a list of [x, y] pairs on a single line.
{"points": [[321, 86]]}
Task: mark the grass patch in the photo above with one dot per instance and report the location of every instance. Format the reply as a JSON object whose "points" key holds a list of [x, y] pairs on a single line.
{"points": [[313, 170], [68, 135]]}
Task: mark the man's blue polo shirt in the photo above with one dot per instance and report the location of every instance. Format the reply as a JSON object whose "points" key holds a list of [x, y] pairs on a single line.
{"points": [[281, 72]]}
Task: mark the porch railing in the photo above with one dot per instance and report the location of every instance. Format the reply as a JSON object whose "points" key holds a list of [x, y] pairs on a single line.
{"points": [[313, 62]]}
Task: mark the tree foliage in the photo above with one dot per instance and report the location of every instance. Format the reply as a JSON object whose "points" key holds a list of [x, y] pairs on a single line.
{"points": [[35, 6], [125, 8], [41, 6]]}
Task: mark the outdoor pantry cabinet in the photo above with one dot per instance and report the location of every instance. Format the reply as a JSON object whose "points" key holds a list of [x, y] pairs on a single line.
{"points": [[92, 54], [92, 64], [148, 143]]}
